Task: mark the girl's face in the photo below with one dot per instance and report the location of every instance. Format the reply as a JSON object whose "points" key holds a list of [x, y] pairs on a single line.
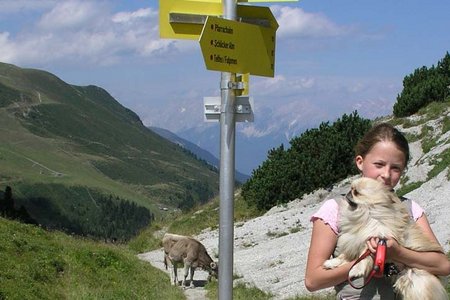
{"points": [[384, 162]]}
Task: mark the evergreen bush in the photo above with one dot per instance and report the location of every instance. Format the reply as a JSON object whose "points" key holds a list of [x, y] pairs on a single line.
{"points": [[423, 87], [316, 159]]}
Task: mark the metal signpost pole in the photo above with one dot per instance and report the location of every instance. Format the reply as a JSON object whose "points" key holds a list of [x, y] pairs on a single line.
{"points": [[227, 166], [226, 47]]}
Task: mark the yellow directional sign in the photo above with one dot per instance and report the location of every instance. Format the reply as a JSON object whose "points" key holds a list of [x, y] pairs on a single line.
{"points": [[257, 15], [236, 47], [184, 19]]}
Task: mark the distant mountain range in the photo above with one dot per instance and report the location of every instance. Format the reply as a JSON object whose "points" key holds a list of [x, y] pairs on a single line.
{"points": [[272, 127], [196, 150], [251, 151]]}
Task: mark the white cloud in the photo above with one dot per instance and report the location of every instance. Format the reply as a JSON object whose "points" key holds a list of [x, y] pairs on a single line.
{"points": [[281, 85], [304, 83], [126, 17], [8, 7], [250, 130], [295, 22], [71, 14], [91, 33], [86, 32], [6, 46], [267, 85]]}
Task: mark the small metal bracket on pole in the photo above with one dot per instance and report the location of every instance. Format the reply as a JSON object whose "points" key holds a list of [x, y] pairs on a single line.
{"points": [[242, 109], [232, 85], [238, 85]]}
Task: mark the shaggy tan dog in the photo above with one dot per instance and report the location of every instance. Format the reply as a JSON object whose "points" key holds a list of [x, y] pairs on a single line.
{"points": [[369, 210]]}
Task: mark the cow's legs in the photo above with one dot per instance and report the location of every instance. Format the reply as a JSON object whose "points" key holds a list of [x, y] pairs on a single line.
{"points": [[173, 274], [187, 268], [192, 269]]}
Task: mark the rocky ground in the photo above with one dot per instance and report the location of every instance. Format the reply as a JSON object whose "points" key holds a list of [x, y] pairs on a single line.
{"points": [[270, 251], [271, 254]]}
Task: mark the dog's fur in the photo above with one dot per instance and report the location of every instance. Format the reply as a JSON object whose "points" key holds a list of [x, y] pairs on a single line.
{"points": [[369, 210]]}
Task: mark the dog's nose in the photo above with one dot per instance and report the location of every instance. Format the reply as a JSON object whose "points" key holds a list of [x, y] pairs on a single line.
{"points": [[349, 196]]}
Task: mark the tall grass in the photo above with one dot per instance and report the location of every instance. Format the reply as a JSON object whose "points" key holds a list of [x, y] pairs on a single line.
{"points": [[37, 264]]}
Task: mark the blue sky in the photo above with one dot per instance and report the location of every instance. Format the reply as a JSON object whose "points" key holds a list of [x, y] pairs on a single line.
{"points": [[331, 56]]}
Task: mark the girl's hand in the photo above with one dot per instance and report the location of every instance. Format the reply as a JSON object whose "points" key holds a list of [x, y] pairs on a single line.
{"points": [[372, 244], [392, 247]]}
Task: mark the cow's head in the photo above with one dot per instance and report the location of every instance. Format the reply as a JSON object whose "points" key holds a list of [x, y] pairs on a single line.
{"points": [[213, 270]]}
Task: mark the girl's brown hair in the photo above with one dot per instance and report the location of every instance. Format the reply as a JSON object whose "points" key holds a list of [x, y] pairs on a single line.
{"points": [[382, 132]]}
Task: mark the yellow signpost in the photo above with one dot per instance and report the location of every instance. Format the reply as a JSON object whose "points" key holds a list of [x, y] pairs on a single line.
{"points": [[184, 19], [236, 47], [234, 39]]}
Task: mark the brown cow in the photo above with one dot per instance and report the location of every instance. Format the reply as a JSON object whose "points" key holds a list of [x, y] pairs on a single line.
{"points": [[179, 249]]}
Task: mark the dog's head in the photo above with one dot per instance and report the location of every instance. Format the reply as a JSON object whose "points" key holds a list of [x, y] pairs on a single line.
{"points": [[367, 191]]}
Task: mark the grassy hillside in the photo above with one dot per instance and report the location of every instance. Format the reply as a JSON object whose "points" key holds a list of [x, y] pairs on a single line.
{"points": [[65, 146], [37, 264]]}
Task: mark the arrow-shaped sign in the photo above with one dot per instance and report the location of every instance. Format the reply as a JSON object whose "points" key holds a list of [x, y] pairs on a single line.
{"points": [[231, 46]]}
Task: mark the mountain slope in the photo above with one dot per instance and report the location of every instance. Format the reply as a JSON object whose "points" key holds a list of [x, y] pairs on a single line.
{"points": [[196, 150], [85, 144]]}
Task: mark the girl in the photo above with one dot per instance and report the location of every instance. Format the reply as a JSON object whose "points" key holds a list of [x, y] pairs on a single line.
{"points": [[382, 154]]}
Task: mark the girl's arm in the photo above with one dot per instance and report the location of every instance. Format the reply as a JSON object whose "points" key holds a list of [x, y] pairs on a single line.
{"points": [[323, 242], [434, 262]]}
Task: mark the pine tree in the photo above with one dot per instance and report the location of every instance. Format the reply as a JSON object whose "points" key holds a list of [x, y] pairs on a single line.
{"points": [[8, 201]]}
